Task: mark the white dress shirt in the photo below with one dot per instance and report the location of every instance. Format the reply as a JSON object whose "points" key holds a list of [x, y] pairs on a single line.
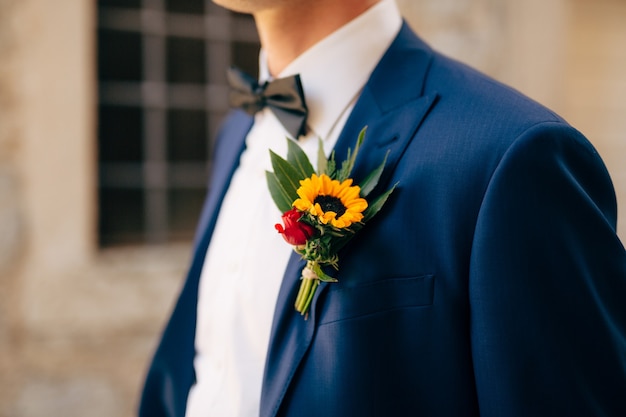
{"points": [[246, 259]]}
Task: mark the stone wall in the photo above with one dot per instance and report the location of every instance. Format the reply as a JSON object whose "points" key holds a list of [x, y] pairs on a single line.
{"points": [[594, 99], [10, 199], [519, 43], [470, 30], [85, 335], [11, 204], [78, 324], [566, 54]]}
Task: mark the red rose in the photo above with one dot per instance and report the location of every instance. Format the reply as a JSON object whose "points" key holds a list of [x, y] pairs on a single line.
{"points": [[295, 232]]}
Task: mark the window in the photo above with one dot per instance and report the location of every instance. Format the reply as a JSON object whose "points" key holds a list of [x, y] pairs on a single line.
{"points": [[162, 94]]}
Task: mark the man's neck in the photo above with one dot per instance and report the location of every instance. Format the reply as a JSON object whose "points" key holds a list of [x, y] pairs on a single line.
{"points": [[286, 32]]}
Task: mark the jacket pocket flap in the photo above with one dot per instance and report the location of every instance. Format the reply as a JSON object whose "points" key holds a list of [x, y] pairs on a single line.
{"points": [[389, 294]]}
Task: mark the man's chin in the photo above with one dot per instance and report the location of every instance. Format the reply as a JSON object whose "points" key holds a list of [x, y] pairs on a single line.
{"points": [[240, 6], [250, 6]]}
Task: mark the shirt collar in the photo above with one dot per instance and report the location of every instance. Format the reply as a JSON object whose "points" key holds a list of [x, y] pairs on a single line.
{"points": [[334, 70]]}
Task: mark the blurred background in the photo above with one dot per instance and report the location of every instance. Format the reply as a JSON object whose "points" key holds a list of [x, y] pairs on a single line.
{"points": [[107, 114]]}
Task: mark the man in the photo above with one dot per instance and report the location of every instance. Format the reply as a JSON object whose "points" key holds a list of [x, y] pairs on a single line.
{"points": [[492, 283]]}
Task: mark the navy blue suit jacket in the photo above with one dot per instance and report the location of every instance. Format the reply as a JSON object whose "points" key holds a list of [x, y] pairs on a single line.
{"points": [[492, 283]]}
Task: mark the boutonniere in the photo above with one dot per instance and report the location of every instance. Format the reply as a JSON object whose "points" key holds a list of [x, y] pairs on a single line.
{"points": [[322, 209]]}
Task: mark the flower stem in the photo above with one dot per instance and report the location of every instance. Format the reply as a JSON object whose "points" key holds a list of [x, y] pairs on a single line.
{"points": [[307, 303], [308, 285], [305, 286]]}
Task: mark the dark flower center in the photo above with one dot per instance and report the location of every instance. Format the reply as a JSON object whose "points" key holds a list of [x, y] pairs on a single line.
{"points": [[330, 203]]}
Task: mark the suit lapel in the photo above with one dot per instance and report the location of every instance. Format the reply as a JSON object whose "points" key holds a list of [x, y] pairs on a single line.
{"points": [[225, 163], [174, 358], [392, 117]]}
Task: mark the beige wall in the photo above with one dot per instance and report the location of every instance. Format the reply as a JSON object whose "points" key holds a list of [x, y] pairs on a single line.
{"points": [[77, 325], [595, 79], [73, 330], [566, 54], [56, 129]]}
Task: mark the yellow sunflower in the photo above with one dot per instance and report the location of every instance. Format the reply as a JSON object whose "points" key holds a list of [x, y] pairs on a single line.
{"points": [[331, 201]]}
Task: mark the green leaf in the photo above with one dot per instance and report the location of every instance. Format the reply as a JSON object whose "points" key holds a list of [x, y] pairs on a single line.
{"points": [[298, 159], [280, 196], [321, 274], [375, 206], [371, 181], [348, 164], [331, 166], [287, 175], [322, 162]]}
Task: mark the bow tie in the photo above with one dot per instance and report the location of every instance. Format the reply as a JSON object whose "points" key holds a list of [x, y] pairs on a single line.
{"points": [[283, 96]]}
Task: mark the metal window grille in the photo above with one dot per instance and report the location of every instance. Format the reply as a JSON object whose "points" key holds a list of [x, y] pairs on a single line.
{"points": [[162, 93]]}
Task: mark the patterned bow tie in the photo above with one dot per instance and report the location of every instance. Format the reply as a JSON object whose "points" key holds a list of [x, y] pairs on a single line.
{"points": [[283, 96]]}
